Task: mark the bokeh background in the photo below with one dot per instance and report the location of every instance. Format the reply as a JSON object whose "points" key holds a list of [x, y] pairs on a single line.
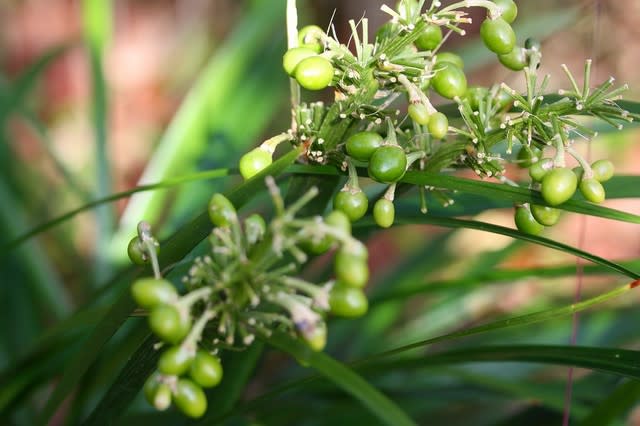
{"points": [[70, 140]]}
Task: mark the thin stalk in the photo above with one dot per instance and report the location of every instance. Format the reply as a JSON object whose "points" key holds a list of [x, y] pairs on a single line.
{"points": [[292, 41]]}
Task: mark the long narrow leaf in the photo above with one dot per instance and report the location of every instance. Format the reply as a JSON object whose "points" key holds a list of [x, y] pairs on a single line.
{"points": [[344, 378], [482, 226], [616, 404], [616, 361]]}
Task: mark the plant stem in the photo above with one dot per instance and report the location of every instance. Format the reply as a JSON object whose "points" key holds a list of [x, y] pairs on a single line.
{"points": [[292, 41]]}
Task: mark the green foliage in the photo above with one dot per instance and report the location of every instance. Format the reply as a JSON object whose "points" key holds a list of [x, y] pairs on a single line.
{"points": [[94, 358]]}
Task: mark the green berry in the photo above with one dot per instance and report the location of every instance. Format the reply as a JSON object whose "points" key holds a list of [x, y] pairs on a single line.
{"points": [[602, 170], [351, 269], [515, 60], [450, 57], [527, 156], [430, 37], [592, 190], [166, 322], [449, 80], [190, 398], [353, 204], [316, 337], [476, 95], [361, 145], [498, 35], [221, 211], [349, 302], [339, 220], [311, 37], [388, 164], [538, 170], [545, 215], [526, 223], [137, 252], [558, 185], [509, 10], [419, 113], [293, 57], [175, 361], [157, 393], [438, 125], [151, 292], [356, 249], [254, 161], [314, 73], [384, 213], [206, 370]]}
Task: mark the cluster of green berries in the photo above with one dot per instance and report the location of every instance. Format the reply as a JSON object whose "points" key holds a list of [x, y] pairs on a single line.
{"points": [[406, 59], [305, 63], [184, 368], [245, 286], [557, 185]]}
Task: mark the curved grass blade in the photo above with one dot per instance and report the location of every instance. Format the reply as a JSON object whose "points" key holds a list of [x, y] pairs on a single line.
{"points": [[482, 226], [209, 174], [82, 360], [97, 21], [496, 276], [131, 378], [616, 361], [615, 405], [173, 250], [345, 378], [19, 89], [47, 145], [46, 289], [532, 318]]}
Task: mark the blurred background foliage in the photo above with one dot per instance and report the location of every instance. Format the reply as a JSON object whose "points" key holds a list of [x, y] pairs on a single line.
{"points": [[97, 97]]}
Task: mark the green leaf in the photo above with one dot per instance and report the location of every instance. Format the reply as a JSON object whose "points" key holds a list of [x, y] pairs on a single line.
{"points": [[615, 405], [81, 361], [27, 80], [345, 378], [128, 383], [528, 319], [482, 226], [209, 174], [46, 289], [616, 361], [97, 22], [97, 19], [496, 276]]}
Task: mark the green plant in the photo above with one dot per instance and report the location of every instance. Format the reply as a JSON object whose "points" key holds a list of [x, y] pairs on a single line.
{"points": [[241, 277]]}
